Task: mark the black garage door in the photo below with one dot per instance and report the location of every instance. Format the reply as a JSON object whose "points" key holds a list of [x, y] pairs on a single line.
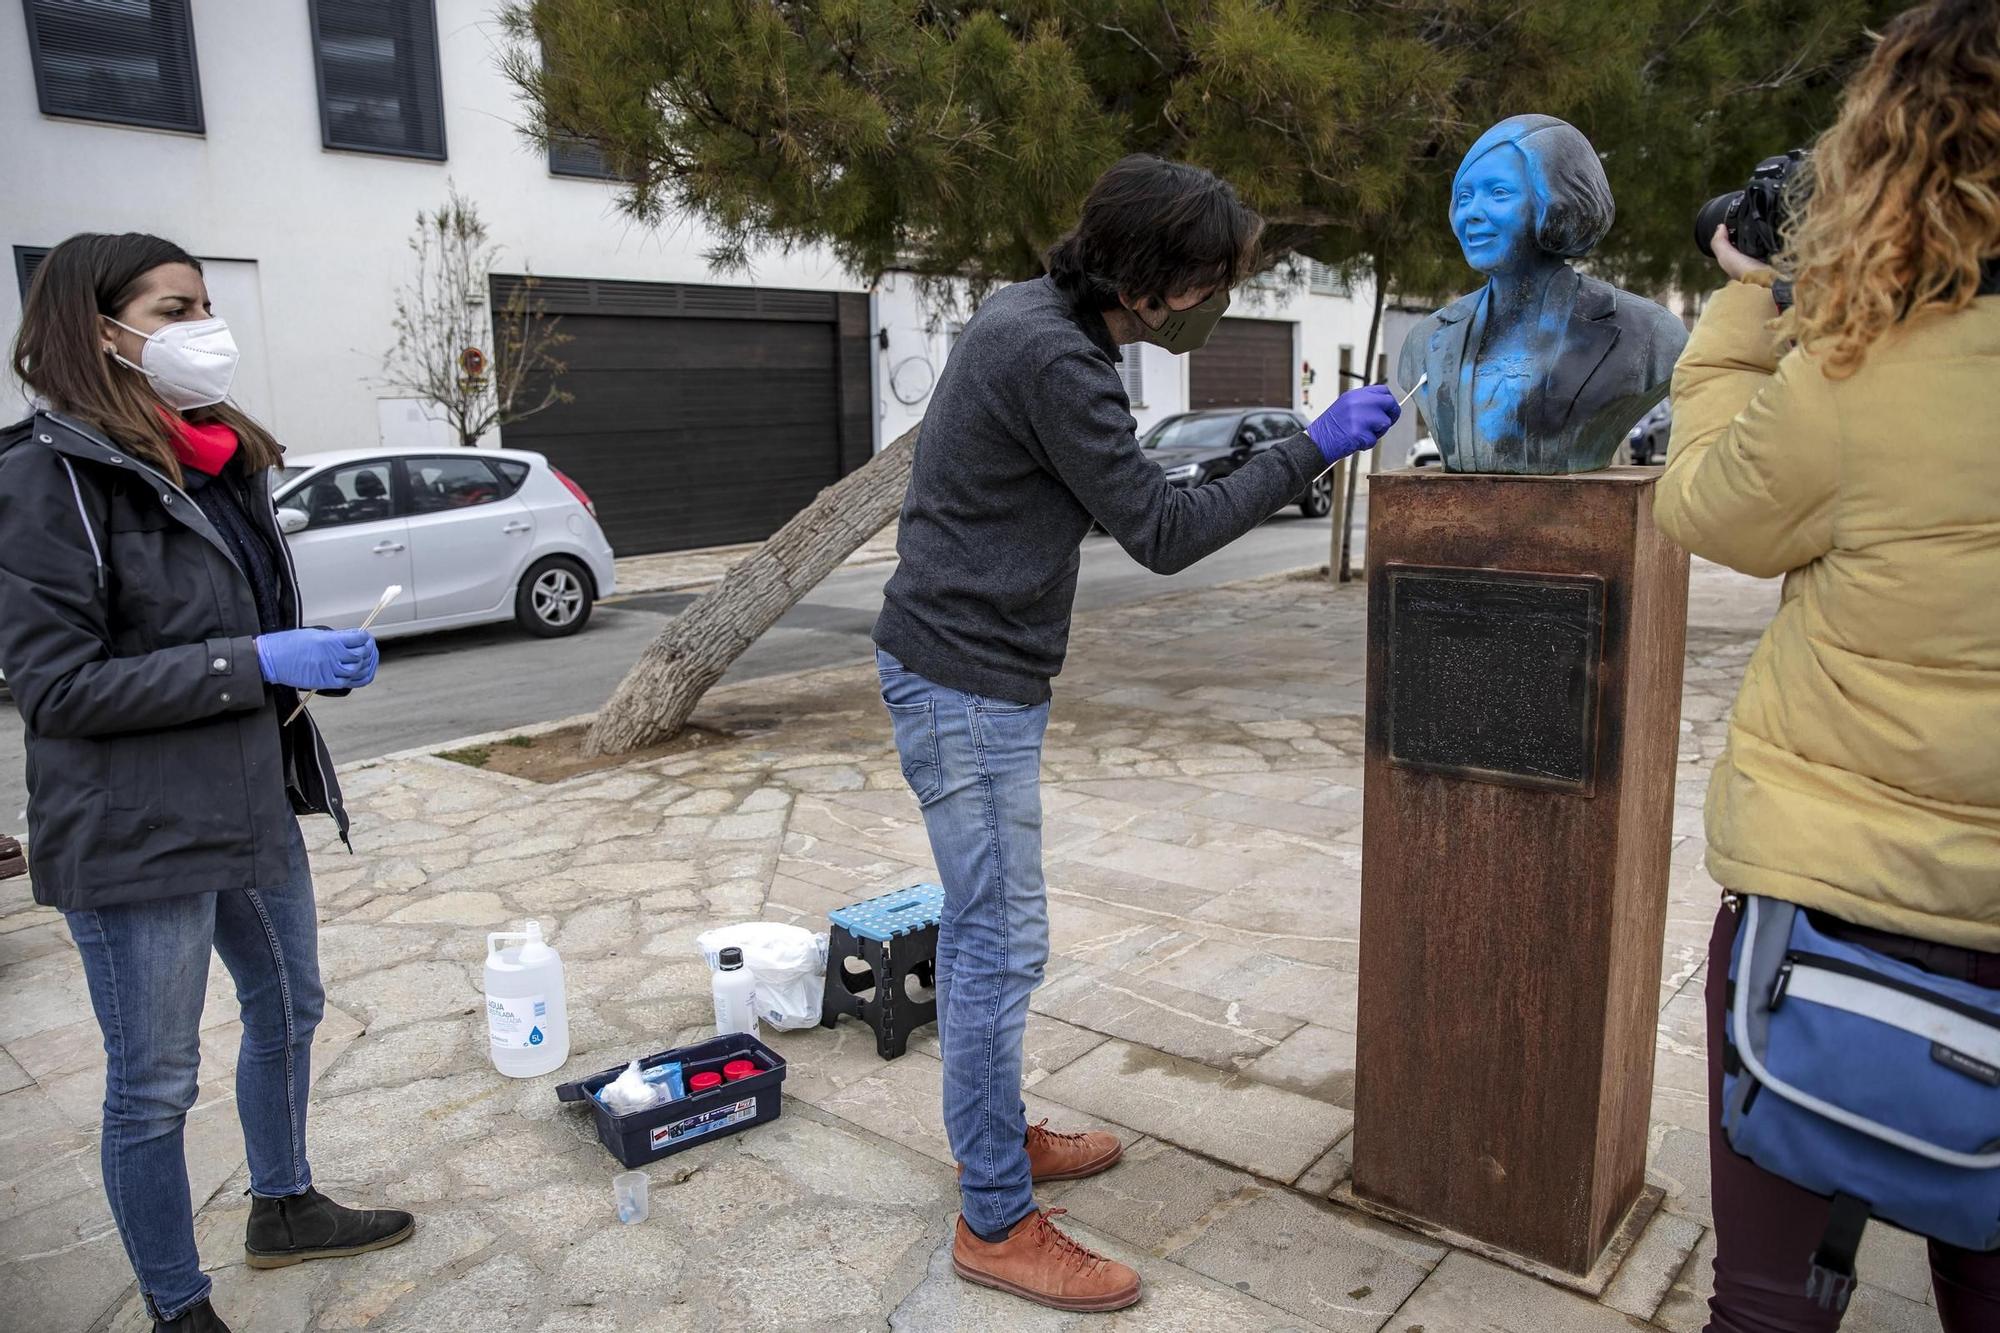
{"points": [[701, 416], [1247, 363]]}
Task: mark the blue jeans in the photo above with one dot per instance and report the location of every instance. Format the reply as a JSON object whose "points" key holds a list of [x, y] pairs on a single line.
{"points": [[975, 765], [147, 966]]}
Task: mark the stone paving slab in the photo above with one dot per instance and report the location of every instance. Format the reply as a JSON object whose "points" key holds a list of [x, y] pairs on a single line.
{"points": [[1226, 1034], [1175, 1300], [1230, 1117], [1202, 785], [1332, 1267]]}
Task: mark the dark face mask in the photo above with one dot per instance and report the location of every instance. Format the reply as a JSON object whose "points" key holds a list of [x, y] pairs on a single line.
{"points": [[1182, 331]]}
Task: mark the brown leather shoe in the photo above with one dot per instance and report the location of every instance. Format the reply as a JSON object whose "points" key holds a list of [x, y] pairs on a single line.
{"points": [[1037, 1262], [1054, 1155]]}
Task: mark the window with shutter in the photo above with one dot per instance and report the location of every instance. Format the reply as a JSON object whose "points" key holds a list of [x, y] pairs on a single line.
{"points": [[128, 62], [1132, 370], [571, 156], [28, 258], [377, 62], [1325, 280]]}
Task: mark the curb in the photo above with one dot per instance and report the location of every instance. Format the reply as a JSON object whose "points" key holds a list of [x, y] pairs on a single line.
{"points": [[709, 581], [432, 751]]}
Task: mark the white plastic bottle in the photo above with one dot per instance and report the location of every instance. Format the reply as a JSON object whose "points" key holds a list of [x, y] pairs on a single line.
{"points": [[733, 987], [527, 1012]]}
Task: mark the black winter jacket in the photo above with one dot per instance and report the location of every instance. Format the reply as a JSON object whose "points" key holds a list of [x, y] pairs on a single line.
{"points": [[156, 762]]}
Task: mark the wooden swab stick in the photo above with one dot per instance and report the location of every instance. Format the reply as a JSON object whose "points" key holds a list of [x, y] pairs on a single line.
{"points": [[389, 594]]}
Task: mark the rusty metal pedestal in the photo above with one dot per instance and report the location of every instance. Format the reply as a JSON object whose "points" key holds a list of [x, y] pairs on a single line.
{"points": [[1525, 643]]}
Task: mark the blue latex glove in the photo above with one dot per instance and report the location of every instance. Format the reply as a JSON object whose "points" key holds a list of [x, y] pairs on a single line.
{"points": [[318, 659], [1357, 420]]}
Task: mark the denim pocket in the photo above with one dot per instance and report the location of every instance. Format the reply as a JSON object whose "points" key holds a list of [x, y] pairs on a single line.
{"points": [[916, 742]]}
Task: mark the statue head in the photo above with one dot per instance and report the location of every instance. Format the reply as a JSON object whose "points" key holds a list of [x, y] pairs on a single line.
{"points": [[1530, 186]]}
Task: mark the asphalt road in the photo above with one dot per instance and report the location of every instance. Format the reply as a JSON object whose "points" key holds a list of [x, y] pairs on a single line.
{"points": [[439, 687]]}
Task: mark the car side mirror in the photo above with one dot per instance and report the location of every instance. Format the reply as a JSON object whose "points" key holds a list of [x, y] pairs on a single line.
{"points": [[293, 520], [1244, 439]]}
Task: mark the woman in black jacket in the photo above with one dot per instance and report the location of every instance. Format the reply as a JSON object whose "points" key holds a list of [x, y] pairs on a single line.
{"points": [[149, 629]]}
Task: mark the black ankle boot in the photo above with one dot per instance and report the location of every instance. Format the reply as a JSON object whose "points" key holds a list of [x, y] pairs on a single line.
{"points": [[200, 1318], [311, 1226]]}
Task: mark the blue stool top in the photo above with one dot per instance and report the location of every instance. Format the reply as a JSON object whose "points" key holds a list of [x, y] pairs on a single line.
{"points": [[892, 914]]}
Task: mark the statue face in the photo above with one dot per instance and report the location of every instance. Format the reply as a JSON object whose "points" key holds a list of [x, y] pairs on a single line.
{"points": [[1493, 211]]}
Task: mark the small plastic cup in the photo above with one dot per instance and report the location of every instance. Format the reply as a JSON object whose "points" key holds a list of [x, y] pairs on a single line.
{"points": [[738, 1069], [629, 1196]]}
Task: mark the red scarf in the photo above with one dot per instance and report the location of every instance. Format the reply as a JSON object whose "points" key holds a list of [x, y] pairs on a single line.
{"points": [[205, 447]]}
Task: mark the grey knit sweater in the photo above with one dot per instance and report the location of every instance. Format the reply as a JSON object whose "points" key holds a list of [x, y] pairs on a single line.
{"points": [[1027, 438]]}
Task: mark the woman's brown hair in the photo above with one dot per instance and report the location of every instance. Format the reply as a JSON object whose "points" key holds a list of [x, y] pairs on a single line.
{"points": [[1905, 200], [59, 351]]}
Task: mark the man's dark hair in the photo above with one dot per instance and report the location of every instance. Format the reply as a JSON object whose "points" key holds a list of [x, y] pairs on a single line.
{"points": [[1153, 229]]}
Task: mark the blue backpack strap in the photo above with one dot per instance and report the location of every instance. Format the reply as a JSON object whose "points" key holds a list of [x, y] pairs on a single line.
{"points": [[1830, 1280], [1756, 972]]}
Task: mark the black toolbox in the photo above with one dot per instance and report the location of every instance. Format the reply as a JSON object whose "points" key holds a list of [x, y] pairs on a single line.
{"points": [[663, 1130]]}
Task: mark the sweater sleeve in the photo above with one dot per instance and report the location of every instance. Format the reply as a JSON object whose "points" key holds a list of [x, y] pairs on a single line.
{"points": [[1753, 464], [1079, 417], [55, 641]]}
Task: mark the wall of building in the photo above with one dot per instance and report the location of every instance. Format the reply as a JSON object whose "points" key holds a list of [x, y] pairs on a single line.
{"points": [[317, 237]]}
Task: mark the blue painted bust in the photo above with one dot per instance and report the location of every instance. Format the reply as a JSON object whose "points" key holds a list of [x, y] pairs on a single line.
{"points": [[1543, 370]]}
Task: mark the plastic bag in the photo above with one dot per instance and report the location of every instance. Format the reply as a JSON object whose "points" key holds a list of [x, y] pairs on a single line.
{"points": [[788, 963]]}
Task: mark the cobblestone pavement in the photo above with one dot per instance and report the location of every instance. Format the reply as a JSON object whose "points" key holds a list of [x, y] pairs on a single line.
{"points": [[1203, 840]]}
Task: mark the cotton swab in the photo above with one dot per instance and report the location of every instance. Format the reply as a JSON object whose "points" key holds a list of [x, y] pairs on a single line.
{"points": [[389, 594], [1399, 403]]}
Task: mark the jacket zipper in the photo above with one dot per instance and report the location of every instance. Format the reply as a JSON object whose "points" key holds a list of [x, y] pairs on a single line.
{"points": [[1856, 970], [298, 602], [266, 509]]}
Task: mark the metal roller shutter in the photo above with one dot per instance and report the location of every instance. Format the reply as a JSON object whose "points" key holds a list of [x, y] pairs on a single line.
{"points": [[1247, 363], [702, 416]]}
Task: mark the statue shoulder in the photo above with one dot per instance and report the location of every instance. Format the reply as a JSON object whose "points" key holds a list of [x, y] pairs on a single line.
{"points": [[1417, 340], [1663, 329]]}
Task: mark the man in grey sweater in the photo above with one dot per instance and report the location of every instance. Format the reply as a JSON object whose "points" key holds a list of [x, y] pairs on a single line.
{"points": [[1029, 437]]}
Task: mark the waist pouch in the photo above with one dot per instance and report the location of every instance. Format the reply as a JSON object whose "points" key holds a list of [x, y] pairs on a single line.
{"points": [[1866, 1080]]}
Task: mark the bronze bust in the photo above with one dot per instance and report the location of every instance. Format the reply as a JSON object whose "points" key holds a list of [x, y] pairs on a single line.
{"points": [[1542, 370]]}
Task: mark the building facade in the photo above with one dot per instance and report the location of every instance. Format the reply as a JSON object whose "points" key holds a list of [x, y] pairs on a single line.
{"points": [[292, 144]]}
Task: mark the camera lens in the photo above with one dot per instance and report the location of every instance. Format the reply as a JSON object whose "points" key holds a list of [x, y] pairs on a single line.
{"points": [[1710, 216]]}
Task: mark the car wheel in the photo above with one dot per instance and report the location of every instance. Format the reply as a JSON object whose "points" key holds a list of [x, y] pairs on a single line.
{"points": [[554, 598], [1318, 501]]}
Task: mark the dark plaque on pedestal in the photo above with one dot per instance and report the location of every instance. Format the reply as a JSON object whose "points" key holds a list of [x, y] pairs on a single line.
{"points": [[1493, 676]]}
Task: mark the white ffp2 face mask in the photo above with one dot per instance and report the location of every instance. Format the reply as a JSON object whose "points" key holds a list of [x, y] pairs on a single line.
{"points": [[191, 363]]}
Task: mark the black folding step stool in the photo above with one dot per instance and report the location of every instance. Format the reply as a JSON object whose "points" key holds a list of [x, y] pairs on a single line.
{"points": [[896, 936]]}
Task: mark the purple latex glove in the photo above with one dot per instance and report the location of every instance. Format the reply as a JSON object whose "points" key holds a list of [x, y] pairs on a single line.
{"points": [[1356, 421], [318, 659]]}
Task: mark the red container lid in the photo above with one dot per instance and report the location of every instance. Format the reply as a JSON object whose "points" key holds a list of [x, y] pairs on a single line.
{"points": [[736, 1069], [702, 1082]]}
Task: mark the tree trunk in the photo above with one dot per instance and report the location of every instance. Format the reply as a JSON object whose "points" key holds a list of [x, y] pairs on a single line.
{"points": [[1345, 563], [696, 647]]}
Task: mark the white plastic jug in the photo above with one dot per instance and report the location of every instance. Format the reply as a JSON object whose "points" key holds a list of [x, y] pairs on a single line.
{"points": [[527, 1012]]}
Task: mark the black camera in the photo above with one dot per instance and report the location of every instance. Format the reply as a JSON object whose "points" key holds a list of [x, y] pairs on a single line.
{"points": [[1754, 214]]}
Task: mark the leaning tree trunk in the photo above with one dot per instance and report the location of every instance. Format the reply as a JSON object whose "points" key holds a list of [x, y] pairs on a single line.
{"points": [[661, 690]]}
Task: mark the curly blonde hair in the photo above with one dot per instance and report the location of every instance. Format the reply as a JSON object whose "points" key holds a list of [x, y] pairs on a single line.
{"points": [[1905, 187]]}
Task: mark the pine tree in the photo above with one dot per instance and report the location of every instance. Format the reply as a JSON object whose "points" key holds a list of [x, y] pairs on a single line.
{"points": [[955, 140]]}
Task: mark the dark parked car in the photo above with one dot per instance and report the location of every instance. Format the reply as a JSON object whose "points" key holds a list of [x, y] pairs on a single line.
{"points": [[1196, 447], [1647, 442]]}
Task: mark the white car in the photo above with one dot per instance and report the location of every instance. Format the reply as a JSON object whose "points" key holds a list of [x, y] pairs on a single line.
{"points": [[473, 536], [1425, 453]]}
